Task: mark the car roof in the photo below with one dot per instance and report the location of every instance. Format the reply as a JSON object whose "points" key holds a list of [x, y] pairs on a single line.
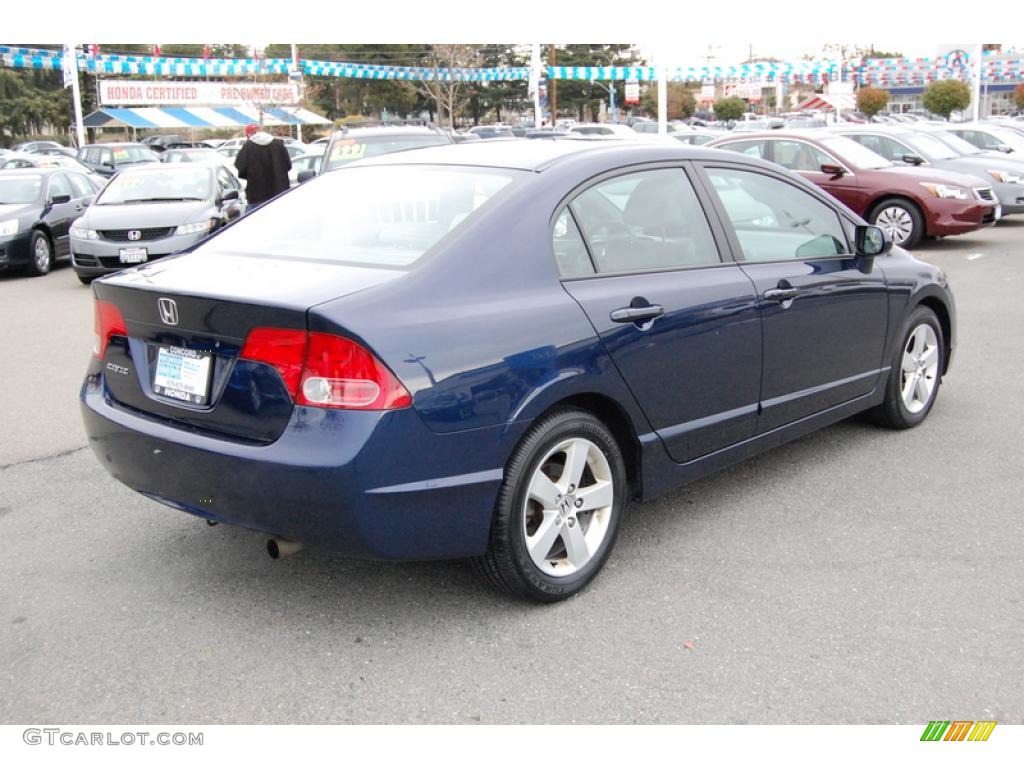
{"points": [[41, 171], [525, 154]]}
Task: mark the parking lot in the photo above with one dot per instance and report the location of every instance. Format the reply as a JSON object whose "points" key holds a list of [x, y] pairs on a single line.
{"points": [[854, 576]]}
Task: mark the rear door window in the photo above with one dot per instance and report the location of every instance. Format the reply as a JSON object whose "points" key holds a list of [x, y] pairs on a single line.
{"points": [[644, 221]]}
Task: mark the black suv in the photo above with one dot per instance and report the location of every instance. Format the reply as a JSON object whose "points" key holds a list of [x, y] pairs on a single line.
{"points": [[355, 143]]}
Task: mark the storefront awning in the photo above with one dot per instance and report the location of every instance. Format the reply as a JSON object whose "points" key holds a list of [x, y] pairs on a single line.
{"points": [[199, 117]]}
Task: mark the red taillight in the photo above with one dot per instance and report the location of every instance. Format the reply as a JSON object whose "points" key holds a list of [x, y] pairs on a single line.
{"points": [[109, 322], [282, 348], [326, 371]]}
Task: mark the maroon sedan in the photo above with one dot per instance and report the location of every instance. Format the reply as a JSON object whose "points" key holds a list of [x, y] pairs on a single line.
{"points": [[909, 203]]}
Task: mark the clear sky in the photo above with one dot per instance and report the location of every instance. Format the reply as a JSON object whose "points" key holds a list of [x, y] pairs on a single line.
{"points": [[681, 30]]}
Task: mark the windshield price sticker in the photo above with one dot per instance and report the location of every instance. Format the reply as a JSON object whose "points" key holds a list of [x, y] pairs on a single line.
{"points": [[182, 374]]}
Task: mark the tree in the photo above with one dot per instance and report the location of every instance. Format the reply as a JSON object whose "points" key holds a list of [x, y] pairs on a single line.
{"points": [[871, 101], [1018, 96], [947, 96], [730, 108], [449, 95], [583, 95], [680, 101]]}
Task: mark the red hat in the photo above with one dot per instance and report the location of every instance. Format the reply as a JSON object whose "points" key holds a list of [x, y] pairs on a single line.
{"points": [[250, 129]]}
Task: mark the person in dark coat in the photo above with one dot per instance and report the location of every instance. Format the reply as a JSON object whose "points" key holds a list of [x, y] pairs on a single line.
{"points": [[264, 163]]}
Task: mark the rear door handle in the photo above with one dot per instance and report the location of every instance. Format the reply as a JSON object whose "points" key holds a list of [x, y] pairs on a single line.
{"points": [[637, 314], [781, 294]]}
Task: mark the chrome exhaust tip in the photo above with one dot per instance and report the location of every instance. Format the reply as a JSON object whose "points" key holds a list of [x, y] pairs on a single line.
{"points": [[278, 548]]}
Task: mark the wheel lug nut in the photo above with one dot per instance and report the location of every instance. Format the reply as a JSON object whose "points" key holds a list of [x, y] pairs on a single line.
{"points": [[572, 488], [579, 503]]}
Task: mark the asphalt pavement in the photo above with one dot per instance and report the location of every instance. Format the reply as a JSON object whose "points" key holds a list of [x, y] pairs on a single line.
{"points": [[855, 576]]}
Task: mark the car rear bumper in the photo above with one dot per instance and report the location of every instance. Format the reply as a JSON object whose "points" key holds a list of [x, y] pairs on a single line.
{"points": [[365, 483]]}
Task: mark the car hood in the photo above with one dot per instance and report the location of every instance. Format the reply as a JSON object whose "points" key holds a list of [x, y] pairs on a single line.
{"points": [[15, 210], [146, 215], [253, 279], [935, 177]]}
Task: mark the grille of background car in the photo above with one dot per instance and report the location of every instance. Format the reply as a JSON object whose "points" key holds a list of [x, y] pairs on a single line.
{"points": [[121, 235]]}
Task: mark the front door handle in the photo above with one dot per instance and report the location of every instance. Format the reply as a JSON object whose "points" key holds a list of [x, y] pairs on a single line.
{"points": [[637, 314], [781, 294]]}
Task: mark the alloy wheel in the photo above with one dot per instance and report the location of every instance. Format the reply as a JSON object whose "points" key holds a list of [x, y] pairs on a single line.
{"points": [[920, 368], [568, 507]]}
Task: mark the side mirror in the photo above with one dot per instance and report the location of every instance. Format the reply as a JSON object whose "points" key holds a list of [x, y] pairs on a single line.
{"points": [[1004, 148], [913, 159], [231, 194], [107, 166], [834, 171], [871, 241], [59, 199], [305, 176]]}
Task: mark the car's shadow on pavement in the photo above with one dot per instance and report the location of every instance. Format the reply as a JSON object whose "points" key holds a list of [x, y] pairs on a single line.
{"points": [[317, 582]]}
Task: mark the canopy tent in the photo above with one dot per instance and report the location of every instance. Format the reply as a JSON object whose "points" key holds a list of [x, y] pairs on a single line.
{"points": [[199, 117], [840, 102]]}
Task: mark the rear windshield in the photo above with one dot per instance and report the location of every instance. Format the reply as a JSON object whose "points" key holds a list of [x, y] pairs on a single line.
{"points": [[385, 216], [15, 190], [348, 150]]}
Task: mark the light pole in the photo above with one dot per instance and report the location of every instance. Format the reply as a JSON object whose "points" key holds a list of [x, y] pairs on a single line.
{"points": [[611, 93]]}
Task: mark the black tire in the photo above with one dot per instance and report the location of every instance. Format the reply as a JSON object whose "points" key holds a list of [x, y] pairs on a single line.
{"points": [[895, 411], [40, 249], [508, 563], [894, 215]]}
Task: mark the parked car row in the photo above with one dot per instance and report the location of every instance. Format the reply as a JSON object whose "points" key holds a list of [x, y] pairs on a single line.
{"points": [[914, 181]]}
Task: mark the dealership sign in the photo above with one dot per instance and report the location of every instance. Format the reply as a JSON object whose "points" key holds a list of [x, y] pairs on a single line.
{"points": [[122, 93]]}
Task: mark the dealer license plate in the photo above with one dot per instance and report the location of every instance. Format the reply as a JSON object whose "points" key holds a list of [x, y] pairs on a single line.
{"points": [[133, 255], [183, 374]]}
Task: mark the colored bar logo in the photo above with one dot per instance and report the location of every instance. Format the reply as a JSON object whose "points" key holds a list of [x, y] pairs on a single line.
{"points": [[958, 730]]}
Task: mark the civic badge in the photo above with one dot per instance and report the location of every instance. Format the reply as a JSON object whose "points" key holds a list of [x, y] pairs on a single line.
{"points": [[134, 234], [168, 311]]}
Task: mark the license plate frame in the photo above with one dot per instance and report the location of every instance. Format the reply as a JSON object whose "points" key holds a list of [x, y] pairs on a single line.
{"points": [[133, 255], [183, 375]]}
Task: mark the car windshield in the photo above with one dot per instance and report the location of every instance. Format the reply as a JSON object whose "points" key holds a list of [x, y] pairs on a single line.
{"points": [[183, 183], [930, 146], [129, 155], [386, 216], [18, 190], [348, 150], [1010, 138], [852, 152], [955, 143]]}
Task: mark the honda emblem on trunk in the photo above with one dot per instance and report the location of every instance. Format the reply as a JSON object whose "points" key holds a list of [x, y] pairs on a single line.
{"points": [[168, 311], [134, 234]]}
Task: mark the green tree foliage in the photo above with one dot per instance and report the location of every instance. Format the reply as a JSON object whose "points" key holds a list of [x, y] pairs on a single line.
{"points": [[731, 108], [871, 101], [32, 103], [947, 96], [577, 96]]}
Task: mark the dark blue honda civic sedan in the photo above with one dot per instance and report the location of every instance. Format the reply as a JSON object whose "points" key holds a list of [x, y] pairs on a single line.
{"points": [[487, 351]]}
